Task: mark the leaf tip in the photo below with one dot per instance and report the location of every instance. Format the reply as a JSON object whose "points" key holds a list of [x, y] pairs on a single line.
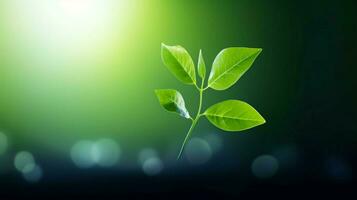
{"points": [[163, 45], [259, 50], [158, 91], [263, 121]]}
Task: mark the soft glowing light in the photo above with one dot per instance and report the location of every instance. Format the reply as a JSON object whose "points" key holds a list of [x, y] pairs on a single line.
{"points": [[215, 141], [265, 166], [34, 175], [146, 154], [150, 162], [65, 33], [3, 143], [82, 154], [24, 161], [198, 151], [68, 23], [152, 166], [106, 152]]}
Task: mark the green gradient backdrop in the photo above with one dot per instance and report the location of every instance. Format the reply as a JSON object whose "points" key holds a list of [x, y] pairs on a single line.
{"points": [[53, 96]]}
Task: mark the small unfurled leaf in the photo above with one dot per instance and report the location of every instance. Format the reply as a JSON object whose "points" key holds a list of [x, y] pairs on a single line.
{"points": [[172, 101], [233, 115], [229, 65], [201, 66], [179, 62]]}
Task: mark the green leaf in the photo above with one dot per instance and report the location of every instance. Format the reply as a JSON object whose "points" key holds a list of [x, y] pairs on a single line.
{"points": [[201, 66], [233, 115], [179, 62], [229, 65], [172, 101]]}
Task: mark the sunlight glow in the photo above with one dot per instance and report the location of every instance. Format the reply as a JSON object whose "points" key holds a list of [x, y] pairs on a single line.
{"points": [[62, 32]]}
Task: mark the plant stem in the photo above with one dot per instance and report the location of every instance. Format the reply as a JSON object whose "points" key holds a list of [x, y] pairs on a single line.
{"points": [[194, 122], [187, 137]]}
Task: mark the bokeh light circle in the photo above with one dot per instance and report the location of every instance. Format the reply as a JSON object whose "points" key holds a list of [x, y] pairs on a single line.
{"points": [[198, 151], [106, 152], [34, 175], [265, 166], [146, 154], [152, 166], [215, 141], [82, 154], [24, 162]]}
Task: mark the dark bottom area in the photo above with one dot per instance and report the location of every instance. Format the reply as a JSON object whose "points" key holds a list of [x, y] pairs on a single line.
{"points": [[125, 187]]}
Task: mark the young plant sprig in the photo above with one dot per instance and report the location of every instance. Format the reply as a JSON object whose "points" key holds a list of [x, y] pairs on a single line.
{"points": [[229, 65]]}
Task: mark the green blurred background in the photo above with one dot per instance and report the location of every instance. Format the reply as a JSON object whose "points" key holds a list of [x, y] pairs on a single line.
{"points": [[60, 84], [74, 70]]}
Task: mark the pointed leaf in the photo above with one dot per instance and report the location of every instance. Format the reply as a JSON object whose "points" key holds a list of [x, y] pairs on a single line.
{"points": [[179, 62], [201, 66], [229, 65], [172, 101], [233, 115]]}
